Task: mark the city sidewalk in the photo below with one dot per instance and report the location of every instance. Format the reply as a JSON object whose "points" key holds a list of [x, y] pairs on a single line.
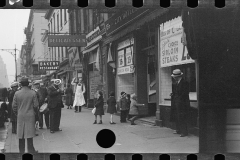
{"points": [[79, 136]]}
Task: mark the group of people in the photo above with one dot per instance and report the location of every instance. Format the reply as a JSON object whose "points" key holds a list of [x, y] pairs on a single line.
{"points": [[127, 105]]}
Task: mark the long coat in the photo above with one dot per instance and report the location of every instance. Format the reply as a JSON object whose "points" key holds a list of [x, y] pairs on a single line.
{"points": [[180, 102], [69, 95], [99, 106], [54, 98], [111, 102], [25, 104], [133, 107], [10, 112], [123, 103]]}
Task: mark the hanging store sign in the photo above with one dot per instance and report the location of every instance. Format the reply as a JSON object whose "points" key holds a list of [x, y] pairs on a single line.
{"points": [[173, 50], [125, 70], [93, 36], [121, 19], [48, 65], [67, 41]]}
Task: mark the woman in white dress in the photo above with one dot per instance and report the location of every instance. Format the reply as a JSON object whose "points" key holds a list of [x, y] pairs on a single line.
{"points": [[79, 100]]}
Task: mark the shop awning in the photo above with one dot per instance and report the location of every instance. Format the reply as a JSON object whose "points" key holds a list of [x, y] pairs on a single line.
{"points": [[90, 49], [147, 18]]}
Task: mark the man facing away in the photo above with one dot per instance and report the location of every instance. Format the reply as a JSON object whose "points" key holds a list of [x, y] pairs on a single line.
{"points": [[25, 106]]}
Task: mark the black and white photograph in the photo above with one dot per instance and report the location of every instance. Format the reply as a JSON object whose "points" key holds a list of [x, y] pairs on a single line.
{"points": [[120, 80]]}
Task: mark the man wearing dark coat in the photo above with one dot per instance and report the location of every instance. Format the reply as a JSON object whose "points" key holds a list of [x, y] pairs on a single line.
{"points": [[55, 105], [42, 95], [123, 105], [180, 103]]}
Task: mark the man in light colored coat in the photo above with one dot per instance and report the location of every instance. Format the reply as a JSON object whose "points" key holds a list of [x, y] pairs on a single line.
{"points": [[25, 105]]}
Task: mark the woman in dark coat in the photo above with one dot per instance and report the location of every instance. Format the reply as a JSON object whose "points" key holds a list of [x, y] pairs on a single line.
{"points": [[69, 95], [99, 107], [111, 102]]}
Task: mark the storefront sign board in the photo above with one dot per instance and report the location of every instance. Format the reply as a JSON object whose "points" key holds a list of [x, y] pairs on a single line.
{"points": [[173, 50], [67, 41], [125, 43], [93, 36], [121, 19], [125, 70], [48, 65]]}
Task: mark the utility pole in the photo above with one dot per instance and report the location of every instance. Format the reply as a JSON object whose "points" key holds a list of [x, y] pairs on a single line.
{"points": [[15, 57]]}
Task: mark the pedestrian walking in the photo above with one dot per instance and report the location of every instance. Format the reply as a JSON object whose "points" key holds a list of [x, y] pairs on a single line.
{"points": [[24, 105], [133, 112], [79, 100], [3, 112], [69, 96], [111, 102], [123, 105], [42, 95], [13, 117], [99, 107], [180, 103], [55, 105], [128, 97]]}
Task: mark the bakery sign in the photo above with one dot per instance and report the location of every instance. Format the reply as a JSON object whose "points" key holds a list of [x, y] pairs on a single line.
{"points": [[48, 65], [67, 41], [173, 49]]}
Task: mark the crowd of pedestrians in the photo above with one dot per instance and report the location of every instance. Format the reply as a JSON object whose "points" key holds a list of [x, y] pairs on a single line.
{"points": [[26, 102]]}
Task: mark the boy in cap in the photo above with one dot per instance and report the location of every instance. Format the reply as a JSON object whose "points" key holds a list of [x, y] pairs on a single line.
{"points": [[123, 105]]}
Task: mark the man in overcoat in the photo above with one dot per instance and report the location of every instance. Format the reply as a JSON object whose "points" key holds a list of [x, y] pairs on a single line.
{"points": [[12, 116], [180, 102], [123, 105], [25, 105], [55, 105]]}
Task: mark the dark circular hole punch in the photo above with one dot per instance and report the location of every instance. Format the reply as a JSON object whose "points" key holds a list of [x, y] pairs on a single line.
{"points": [[110, 3], [27, 156], [82, 156], [109, 157], [55, 156], [165, 3], [137, 3], [165, 156], [219, 157], [192, 157], [27, 3], [55, 3], [2, 3], [105, 138], [192, 3]]}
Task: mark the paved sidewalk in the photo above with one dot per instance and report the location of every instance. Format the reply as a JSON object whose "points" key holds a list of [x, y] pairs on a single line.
{"points": [[79, 136]]}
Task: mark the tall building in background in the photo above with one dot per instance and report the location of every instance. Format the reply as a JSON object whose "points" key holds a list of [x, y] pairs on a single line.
{"points": [[37, 24], [3, 74]]}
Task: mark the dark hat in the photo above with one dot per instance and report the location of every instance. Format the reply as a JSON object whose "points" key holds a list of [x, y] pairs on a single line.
{"points": [[176, 73], [24, 80], [123, 94]]}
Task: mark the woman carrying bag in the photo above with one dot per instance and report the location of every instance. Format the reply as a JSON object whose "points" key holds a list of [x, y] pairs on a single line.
{"points": [[111, 102], [99, 107], [79, 100]]}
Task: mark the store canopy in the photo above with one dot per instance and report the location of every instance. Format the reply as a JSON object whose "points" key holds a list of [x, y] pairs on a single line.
{"points": [[147, 18], [90, 49]]}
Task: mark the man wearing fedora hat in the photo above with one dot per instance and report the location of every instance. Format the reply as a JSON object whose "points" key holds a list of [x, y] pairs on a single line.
{"points": [[55, 105], [180, 102], [25, 106]]}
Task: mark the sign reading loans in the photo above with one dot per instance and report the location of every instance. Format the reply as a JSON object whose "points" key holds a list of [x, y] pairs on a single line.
{"points": [[173, 44], [48, 65], [67, 41]]}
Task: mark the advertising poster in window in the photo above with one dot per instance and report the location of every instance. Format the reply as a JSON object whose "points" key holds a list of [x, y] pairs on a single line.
{"points": [[121, 60], [129, 56], [173, 50]]}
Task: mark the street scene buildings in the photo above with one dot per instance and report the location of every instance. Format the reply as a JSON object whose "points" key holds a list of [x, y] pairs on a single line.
{"points": [[139, 51]]}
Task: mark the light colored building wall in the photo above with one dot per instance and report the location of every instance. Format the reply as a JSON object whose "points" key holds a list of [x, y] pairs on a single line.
{"points": [[3, 74]]}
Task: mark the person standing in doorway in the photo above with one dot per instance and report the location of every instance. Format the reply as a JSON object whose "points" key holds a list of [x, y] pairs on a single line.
{"points": [[69, 96], [123, 105], [111, 102], [180, 103], [55, 105], [25, 105], [99, 107], [79, 100], [13, 117]]}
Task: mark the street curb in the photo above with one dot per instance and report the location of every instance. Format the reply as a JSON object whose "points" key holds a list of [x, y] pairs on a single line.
{"points": [[4, 141]]}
